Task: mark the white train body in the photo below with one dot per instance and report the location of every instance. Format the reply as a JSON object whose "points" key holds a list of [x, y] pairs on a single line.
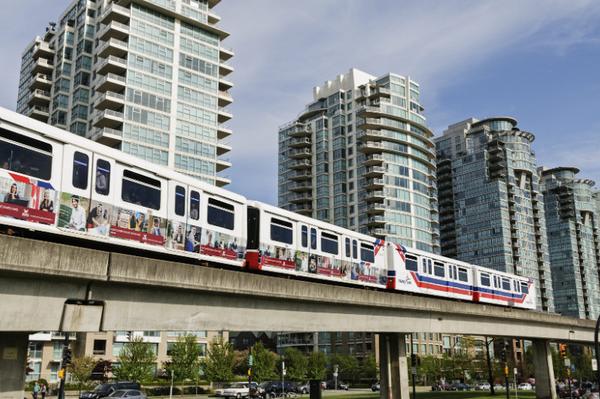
{"points": [[56, 182]]}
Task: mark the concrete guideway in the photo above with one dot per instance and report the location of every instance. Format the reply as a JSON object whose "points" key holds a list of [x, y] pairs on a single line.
{"points": [[45, 286]]}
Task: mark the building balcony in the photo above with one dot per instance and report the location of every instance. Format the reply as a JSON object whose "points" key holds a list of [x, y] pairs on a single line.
{"points": [[300, 164], [221, 181], [110, 82], [223, 132], [376, 208], [225, 69], [300, 130], [43, 49], [42, 82], [298, 175], [370, 147], [111, 64], [300, 153], [380, 92], [108, 118], [300, 186], [300, 142], [114, 47], [39, 112], [374, 159], [43, 66], [115, 12], [376, 221], [222, 164], [224, 98], [374, 171], [224, 85], [107, 136], [114, 30], [375, 196], [39, 97], [370, 134], [223, 115], [300, 198], [223, 148], [225, 54], [374, 184], [377, 232], [110, 100]]}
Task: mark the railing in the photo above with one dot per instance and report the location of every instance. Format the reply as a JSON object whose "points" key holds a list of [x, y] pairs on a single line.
{"points": [[40, 92], [112, 25]]}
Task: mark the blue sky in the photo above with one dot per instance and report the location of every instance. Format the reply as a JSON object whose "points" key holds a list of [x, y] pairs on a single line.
{"points": [[537, 61]]}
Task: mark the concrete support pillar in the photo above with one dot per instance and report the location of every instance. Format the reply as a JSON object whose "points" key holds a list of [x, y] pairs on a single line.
{"points": [[545, 385], [393, 366], [13, 356]]}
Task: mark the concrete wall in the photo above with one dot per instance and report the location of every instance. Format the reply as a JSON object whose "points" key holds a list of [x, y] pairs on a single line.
{"points": [[36, 278]]}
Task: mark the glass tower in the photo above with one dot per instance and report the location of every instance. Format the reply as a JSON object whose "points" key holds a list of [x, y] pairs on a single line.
{"points": [[145, 76], [574, 241], [360, 156], [491, 202]]}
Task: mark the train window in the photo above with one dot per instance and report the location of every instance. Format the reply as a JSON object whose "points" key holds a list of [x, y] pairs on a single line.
{"points": [[329, 243], [354, 249], [524, 288], [462, 274], [102, 177], [438, 269], [25, 155], [140, 190], [367, 254], [281, 231], [485, 279], [411, 263], [505, 284], [304, 236], [179, 201], [194, 205], [313, 238], [220, 214], [81, 163], [347, 241]]}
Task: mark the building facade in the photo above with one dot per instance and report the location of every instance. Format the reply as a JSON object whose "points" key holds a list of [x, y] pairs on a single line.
{"points": [[574, 241], [45, 348], [360, 156], [146, 76], [491, 201]]}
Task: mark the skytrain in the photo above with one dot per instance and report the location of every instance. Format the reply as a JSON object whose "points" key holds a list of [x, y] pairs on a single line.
{"points": [[59, 183]]}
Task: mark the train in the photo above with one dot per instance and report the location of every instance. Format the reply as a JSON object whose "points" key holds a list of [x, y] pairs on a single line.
{"points": [[56, 182]]}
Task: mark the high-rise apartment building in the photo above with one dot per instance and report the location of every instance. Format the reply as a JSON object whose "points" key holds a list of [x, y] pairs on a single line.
{"points": [[573, 240], [360, 156], [146, 76], [491, 202]]}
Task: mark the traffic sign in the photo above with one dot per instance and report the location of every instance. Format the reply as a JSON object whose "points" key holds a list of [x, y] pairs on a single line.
{"points": [[567, 362], [594, 365], [250, 360], [414, 370]]}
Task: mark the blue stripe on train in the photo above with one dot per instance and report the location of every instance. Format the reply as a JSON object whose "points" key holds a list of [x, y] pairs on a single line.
{"points": [[431, 280]]}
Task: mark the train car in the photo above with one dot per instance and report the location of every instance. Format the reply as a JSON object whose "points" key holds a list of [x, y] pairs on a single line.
{"points": [[284, 242], [411, 270], [57, 182]]}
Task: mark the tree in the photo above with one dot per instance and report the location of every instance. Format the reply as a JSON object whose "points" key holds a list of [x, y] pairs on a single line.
{"points": [[317, 366], [264, 364], [368, 368], [136, 361], [241, 362], [81, 370], [185, 359], [219, 362], [296, 364], [348, 367]]}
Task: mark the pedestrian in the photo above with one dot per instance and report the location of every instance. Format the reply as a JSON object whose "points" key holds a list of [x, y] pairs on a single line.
{"points": [[36, 390], [43, 390]]}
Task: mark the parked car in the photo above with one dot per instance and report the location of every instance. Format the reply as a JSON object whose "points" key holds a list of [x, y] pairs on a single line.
{"points": [[237, 390], [104, 390], [303, 387], [499, 387], [525, 386], [340, 385], [459, 386], [271, 388], [482, 386], [440, 386], [376, 387], [127, 393]]}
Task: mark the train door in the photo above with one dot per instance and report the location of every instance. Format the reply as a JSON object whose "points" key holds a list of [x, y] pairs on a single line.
{"points": [[253, 260], [102, 199], [74, 200], [313, 250], [177, 216], [140, 199], [347, 258]]}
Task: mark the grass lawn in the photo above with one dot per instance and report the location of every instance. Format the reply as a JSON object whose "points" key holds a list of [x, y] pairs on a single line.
{"points": [[443, 395]]}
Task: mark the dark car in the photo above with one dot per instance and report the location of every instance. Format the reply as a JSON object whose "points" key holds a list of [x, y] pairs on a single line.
{"points": [[106, 389], [459, 386], [340, 385], [271, 388]]}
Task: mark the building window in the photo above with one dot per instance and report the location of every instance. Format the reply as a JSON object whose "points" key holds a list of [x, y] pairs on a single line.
{"points": [[99, 347]]}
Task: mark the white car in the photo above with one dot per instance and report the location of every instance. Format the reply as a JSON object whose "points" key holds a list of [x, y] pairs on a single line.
{"points": [[525, 386], [235, 390], [482, 386]]}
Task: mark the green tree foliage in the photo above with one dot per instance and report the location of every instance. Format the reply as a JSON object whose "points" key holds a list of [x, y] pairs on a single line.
{"points": [[81, 370], [136, 361], [368, 368], [317, 366], [265, 363], [296, 364], [240, 362], [185, 359], [348, 367], [219, 362]]}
